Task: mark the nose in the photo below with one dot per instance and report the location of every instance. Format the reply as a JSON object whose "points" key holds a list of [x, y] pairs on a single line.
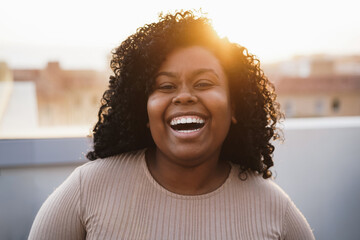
{"points": [[185, 97]]}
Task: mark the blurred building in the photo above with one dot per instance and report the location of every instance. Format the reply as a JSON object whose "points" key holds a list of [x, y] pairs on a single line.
{"points": [[318, 86], [65, 97], [318, 96], [307, 86]]}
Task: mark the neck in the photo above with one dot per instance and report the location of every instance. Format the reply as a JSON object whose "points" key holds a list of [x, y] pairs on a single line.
{"points": [[204, 177]]}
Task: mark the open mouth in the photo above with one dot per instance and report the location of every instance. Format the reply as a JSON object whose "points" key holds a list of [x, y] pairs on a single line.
{"points": [[187, 124]]}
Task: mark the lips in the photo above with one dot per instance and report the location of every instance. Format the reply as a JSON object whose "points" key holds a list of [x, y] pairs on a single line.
{"points": [[187, 123]]}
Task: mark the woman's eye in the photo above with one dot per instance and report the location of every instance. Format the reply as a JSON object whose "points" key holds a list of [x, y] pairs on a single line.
{"points": [[166, 87], [204, 84]]}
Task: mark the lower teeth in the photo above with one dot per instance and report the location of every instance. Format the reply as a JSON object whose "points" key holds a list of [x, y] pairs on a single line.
{"points": [[188, 131]]}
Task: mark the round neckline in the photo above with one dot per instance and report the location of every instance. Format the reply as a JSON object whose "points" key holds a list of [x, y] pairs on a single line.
{"points": [[180, 196]]}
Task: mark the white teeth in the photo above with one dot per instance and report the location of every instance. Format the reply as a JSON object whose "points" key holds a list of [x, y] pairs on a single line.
{"points": [[183, 120], [189, 131]]}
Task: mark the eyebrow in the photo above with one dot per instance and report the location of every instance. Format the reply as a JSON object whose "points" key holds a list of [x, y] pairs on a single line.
{"points": [[204, 70], [168, 74], [193, 74]]}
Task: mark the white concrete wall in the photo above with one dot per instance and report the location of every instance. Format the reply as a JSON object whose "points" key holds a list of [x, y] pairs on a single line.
{"points": [[22, 191], [318, 166]]}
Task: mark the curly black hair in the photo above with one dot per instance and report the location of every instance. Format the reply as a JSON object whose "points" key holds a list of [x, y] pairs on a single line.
{"points": [[122, 117]]}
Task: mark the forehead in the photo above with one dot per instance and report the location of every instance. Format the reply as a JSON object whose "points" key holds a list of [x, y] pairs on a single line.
{"points": [[191, 59]]}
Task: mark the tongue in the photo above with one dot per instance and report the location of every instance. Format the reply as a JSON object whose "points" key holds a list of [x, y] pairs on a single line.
{"points": [[187, 126]]}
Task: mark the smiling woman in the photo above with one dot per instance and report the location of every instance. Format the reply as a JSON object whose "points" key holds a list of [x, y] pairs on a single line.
{"points": [[192, 89], [191, 84], [183, 138]]}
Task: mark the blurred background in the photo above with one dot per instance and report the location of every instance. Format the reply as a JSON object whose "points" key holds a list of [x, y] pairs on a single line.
{"points": [[54, 67]]}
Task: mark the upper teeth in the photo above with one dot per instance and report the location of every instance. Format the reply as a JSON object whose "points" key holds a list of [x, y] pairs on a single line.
{"points": [[183, 120]]}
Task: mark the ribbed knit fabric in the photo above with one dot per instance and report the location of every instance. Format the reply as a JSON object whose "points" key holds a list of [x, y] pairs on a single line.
{"points": [[117, 198]]}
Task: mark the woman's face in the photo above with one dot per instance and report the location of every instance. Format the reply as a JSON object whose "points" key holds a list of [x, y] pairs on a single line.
{"points": [[189, 110]]}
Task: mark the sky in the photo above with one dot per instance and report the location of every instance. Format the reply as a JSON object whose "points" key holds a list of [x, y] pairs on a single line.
{"points": [[81, 34]]}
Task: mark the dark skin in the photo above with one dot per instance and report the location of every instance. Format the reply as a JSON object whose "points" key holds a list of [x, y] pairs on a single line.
{"points": [[190, 86], [184, 180]]}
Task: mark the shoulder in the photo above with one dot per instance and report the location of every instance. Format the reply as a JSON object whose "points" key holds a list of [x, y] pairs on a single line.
{"points": [[268, 186], [266, 195], [111, 168], [261, 193], [256, 184], [109, 176], [126, 160]]}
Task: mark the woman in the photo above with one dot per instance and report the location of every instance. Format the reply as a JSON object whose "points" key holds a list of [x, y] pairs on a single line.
{"points": [[183, 139]]}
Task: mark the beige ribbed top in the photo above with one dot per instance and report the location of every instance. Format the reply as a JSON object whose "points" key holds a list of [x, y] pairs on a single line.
{"points": [[117, 198]]}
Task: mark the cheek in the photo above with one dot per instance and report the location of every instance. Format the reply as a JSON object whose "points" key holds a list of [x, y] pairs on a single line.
{"points": [[156, 107], [221, 111], [220, 104]]}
